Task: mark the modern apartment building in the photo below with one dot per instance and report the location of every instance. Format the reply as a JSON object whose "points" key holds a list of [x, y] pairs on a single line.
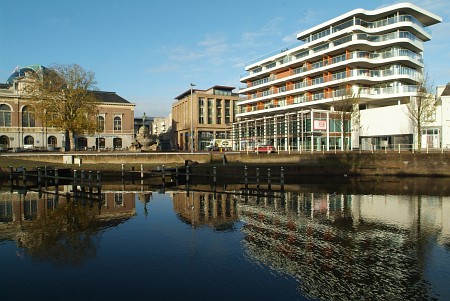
{"points": [[370, 60], [20, 129], [207, 114]]}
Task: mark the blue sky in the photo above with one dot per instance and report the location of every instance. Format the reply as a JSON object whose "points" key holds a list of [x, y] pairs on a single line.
{"points": [[150, 51]]}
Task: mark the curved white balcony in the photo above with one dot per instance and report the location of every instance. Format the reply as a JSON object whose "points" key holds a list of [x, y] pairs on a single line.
{"points": [[365, 93]]}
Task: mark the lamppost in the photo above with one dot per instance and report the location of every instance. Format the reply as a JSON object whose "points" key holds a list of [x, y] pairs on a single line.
{"points": [[192, 121]]}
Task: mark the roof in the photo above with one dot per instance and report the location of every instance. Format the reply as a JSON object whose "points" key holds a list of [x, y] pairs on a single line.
{"points": [[216, 87], [426, 17], [20, 72], [446, 91], [110, 97]]}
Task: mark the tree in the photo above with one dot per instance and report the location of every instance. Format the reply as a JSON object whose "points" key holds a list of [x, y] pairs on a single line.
{"points": [[63, 97], [346, 104], [422, 107]]}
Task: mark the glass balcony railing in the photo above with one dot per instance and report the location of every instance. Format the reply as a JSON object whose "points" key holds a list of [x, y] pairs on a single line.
{"points": [[364, 92], [391, 53], [357, 21]]}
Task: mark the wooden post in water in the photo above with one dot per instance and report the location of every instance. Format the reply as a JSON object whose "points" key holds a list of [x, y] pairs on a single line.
{"points": [[176, 175], [123, 172], [90, 184], [214, 176], [257, 177], [163, 175], [74, 184], [82, 186], [39, 176], [24, 178], [56, 177], [282, 178], [11, 177], [269, 182], [245, 177], [142, 172]]}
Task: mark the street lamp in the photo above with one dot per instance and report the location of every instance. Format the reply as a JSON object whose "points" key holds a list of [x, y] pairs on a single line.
{"points": [[192, 121]]}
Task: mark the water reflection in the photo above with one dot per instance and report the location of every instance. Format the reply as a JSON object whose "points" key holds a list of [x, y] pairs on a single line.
{"points": [[336, 245], [56, 226]]}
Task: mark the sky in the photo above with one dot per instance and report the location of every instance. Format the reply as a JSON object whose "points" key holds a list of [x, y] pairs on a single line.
{"points": [[149, 52]]}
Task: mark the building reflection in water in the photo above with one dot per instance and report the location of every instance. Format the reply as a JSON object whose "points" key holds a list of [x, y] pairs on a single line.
{"points": [[347, 245], [334, 245], [59, 227]]}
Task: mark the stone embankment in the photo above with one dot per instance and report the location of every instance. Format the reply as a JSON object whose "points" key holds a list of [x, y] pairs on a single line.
{"points": [[305, 164]]}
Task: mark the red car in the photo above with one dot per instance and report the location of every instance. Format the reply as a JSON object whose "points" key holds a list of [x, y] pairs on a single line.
{"points": [[265, 149]]}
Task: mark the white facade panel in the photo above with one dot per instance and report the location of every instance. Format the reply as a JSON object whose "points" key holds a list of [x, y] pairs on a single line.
{"points": [[392, 120]]}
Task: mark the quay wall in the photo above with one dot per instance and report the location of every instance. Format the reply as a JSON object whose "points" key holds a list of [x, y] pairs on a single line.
{"points": [[351, 163]]}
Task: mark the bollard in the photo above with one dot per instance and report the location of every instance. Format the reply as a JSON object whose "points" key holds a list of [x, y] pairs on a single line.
{"points": [[142, 172], [123, 171], [282, 178]]}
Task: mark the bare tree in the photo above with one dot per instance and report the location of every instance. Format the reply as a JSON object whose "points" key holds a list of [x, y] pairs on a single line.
{"points": [[422, 107], [63, 98], [346, 103]]}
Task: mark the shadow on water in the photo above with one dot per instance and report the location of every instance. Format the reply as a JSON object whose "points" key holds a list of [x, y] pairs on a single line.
{"points": [[339, 238]]}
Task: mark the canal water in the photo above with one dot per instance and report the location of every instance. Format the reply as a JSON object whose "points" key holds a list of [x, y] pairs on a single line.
{"points": [[225, 243]]}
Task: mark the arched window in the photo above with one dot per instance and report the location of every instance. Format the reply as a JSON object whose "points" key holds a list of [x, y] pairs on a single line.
{"points": [[117, 143], [100, 123], [4, 141], [28, 141], [5, 115], [52, 141], [28, 117], [117, 123]]}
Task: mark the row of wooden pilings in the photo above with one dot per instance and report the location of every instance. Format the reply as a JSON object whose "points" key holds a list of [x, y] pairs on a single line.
{"points": [[90, 186]]}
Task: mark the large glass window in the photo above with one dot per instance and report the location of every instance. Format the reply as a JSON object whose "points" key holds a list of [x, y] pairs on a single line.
{"points": [[28, 119], [5, 115], [117, 123]]}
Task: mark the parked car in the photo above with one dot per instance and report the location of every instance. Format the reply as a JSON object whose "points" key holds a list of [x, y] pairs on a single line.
{"points": [[265, 149]]}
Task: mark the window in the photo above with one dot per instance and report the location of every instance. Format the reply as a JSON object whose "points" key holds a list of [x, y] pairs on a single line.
{"points": [[28, 140], [117, 143], [210, 110], [201, 107], [28, 117], [100, 123], [227, 111], [118, 200], [4, 141], [218, 111], [52, 141], [5, 115], [117, 123]]}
